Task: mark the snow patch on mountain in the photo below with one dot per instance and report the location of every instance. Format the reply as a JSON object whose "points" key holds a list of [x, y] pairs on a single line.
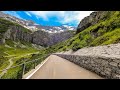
{"points": [[29, 24]]}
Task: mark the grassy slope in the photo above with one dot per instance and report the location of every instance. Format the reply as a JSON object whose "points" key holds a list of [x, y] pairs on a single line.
{"points": [[105, 32], [12, 49], [15, 50], [5, 25], [18, 54]]}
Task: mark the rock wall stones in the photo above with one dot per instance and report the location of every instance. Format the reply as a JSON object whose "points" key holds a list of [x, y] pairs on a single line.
{"points": [[111, 50], [106, 67]]}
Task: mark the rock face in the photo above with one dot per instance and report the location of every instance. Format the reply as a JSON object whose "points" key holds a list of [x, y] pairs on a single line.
{"points": [[92, 19], [2, 41], [48, 39], [20, 32], [40, 38], [17, 32], [59, 37]]}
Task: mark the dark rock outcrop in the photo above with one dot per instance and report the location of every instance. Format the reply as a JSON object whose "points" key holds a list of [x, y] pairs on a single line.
{"points": [[92, 19], [48, 39], [16, 32], [40, 38]]}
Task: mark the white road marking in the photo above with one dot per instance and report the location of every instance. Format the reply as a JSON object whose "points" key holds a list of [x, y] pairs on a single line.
{"points": [[37, 69]]}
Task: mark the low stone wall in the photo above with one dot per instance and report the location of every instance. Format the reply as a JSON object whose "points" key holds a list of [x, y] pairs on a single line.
{"points": [[104, 66]]}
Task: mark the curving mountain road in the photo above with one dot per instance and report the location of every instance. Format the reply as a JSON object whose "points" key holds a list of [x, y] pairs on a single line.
{"points": [[59, 68]]}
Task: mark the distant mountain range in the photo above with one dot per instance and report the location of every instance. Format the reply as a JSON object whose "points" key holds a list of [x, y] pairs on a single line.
{"points": [[29, 24]]}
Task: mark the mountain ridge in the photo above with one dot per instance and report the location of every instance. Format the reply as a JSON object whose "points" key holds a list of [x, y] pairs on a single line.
{"points": [[17, 32], [29, 24], [100, 28]]}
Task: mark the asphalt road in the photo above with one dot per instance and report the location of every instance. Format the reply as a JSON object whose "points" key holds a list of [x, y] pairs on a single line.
{"points": [[59, 68]]}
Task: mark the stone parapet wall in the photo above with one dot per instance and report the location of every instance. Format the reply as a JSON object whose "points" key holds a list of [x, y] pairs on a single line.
{"points": [[107, 67]]}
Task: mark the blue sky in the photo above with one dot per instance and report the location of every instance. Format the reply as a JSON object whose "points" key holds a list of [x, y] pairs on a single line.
{"points": [[51, 18]]}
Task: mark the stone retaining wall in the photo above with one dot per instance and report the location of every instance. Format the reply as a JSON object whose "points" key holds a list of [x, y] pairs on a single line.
{"points": [[106, 67]]}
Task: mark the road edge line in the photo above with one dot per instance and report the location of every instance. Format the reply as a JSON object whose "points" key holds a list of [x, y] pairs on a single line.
{"points": [[37, 69]]}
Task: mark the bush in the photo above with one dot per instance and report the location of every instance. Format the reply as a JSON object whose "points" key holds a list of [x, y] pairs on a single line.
{"points": [[64, 49], [76, 46]]}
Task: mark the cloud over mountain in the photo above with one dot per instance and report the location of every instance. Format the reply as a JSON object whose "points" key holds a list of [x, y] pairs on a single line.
{"points": [[52, 17], [63, 17]]}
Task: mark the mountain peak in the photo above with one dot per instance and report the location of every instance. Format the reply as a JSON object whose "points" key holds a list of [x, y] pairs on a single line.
{"points": [[29, 24]]}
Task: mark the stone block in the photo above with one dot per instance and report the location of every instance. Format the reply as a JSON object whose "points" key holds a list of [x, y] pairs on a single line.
{"points": [[113, 64], [116, 60]]}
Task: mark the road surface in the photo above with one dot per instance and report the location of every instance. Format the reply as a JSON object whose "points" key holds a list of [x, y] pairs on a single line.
{"points": [[59, 68]]}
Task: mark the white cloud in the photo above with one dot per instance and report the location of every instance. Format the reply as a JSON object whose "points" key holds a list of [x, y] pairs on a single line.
{"points": [[13, 13], [74, 16], [40, 14], [37, 17], [28, 14], [63, 17]]}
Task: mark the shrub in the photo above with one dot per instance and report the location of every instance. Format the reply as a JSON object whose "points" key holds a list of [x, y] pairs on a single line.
{"points": [[76, 46]]}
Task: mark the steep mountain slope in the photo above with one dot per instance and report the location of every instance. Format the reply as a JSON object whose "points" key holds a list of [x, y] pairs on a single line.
{"points": [[15, 32], [100, 28], [48, 39], [55, 29], [29, 24], [15, 44], [104, 29], [19, 45], [92, 19]]}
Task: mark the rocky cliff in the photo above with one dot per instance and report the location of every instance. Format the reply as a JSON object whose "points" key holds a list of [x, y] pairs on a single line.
{"points": [[13, 31], [17, 33], [59, 37], [48, 39], [92, 19]]}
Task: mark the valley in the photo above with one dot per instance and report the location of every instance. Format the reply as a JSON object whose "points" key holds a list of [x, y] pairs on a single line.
{"points": [[19, 44]]}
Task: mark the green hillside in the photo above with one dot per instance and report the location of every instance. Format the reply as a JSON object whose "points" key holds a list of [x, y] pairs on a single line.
{"points": [[18, 51], [107, 31]]}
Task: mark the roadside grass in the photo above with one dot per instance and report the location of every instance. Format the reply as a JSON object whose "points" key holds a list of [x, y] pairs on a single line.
{"points": [[13, 73], [6, 63], [16, 53]]}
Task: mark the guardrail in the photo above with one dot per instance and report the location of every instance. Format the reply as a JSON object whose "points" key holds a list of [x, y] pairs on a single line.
{"points": [[24, 66]]}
